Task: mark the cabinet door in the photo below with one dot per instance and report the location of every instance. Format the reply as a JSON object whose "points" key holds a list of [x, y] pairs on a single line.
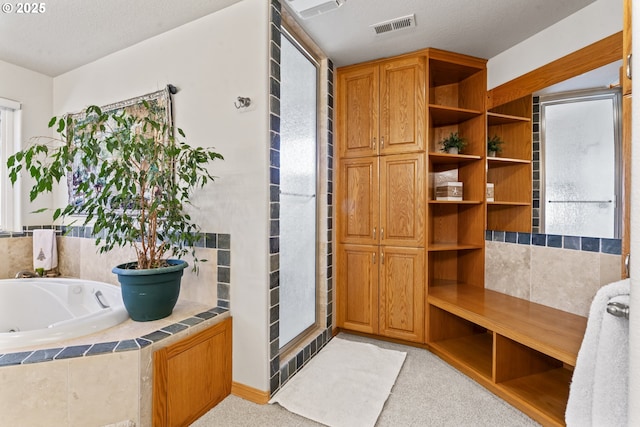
{"points": [[402, 293], [402, 106], [358, 288], [358, 201], [402, 200], [358, 99]]}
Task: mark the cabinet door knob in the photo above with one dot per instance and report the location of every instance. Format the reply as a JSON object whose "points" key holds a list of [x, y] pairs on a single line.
{"points": [[382, 142], [629, 72], [373, 143], [373, 257], [382, 258], [374, 233], [382, 233]]}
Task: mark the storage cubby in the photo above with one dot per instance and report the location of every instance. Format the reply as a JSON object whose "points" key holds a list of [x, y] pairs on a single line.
{"points": [[451, 267], [467, 170], [455, 225]]}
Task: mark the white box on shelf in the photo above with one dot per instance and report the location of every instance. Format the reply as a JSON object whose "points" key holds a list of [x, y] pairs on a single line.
{"points": [[451, 191], [490, 192]]}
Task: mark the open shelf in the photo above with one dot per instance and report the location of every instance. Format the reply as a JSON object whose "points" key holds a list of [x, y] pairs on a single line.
{"points": [[501, 203], [471, 352], [497, 161], [456, 202], [545, 393], [442, 115], [494, 119]]}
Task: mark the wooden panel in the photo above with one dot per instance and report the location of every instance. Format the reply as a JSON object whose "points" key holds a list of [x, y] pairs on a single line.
{"points": [[402, 105], [358, 289], [514, 360], [402, 293], [191, 376], [402, 200], [589, 58], [357, 111], [626, 47], [358, 201], [249, 393], [509, 217]]}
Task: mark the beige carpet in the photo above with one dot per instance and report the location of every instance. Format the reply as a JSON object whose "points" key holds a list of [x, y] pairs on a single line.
{"points": [[345, 385]]}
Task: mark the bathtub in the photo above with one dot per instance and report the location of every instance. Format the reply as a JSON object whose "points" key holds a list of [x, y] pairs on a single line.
{"points": [[45, 310]]}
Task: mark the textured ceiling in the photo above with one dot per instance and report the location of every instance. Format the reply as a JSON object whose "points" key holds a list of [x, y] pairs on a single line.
{"points": [[72, 33]]}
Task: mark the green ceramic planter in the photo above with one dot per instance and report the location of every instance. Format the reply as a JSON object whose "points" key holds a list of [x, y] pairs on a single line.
{"points": [[150, 294]]}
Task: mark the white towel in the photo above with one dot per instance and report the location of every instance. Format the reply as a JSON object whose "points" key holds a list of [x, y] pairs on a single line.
{"points": [[599, 389], [45, 250]]}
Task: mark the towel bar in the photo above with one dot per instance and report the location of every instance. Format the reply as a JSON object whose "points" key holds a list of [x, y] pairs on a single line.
{"points": [[618, 309]]}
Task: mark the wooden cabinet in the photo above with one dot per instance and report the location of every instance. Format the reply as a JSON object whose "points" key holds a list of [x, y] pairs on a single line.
{"points": [[358, 288], [382, 200], [402, 296], [510, 171], [382, 291], [381, 108]]}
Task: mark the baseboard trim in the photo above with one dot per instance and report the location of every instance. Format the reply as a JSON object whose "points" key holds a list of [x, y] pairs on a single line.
{"points": [[249, 393]]}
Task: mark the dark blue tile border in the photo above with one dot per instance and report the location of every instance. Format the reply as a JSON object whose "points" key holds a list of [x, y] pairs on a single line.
{"points": [[45, 355], [588, 244]]}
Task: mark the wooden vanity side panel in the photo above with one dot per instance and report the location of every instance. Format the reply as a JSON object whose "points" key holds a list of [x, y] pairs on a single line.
{"points": [[192, 376]]}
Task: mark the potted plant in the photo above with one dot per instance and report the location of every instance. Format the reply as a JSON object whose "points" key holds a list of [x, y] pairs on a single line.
{"points": [[453, 144], [494, 145], [140, 179]]}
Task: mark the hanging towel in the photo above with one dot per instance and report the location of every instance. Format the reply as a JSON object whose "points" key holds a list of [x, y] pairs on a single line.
{"points": [[45, 250], [599, 388]]}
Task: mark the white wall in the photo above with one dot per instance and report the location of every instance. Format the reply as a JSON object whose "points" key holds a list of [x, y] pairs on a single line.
{"points": [[634, 326], [34, 91], [212, 60], [590, 24]]}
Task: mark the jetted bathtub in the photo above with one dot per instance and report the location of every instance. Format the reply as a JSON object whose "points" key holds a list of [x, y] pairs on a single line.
{"points": [[45, 310]]}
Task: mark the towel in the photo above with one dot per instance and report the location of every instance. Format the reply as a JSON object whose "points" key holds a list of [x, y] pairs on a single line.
{"points": [[45, 250], [599, 388]]}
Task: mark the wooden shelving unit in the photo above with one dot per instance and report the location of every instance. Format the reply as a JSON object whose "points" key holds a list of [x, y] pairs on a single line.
{"points": [[510, 172], [431, 289]]}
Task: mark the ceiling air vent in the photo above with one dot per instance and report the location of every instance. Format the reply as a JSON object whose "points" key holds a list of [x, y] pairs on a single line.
{"points": [[309, 8], [395, 24]]}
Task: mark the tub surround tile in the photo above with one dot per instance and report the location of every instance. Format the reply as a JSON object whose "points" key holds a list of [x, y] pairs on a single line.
{"points": [[127, 345], [571, 242], [42, 355], [101, 348], [145, 342], [74, 351], [14, 358], [175, 328], [99, 396], [156, 336], [22, 391]]}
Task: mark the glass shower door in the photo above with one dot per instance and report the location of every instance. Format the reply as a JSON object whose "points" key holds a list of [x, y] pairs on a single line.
{"points": [[298, 112], [580, 164]]}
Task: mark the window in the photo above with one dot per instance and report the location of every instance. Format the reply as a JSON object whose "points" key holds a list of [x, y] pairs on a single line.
{"points": [[10, 126]]}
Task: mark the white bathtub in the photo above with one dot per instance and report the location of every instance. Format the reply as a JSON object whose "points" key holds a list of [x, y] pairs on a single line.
{"points": [[41, 311]]}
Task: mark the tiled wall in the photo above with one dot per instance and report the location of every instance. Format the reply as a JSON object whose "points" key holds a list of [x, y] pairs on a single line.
{"points": [[535, 217], [282, 370], [563, 272], [78, 257]]}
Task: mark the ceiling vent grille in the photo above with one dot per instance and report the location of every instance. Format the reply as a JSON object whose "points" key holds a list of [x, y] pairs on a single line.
{"points": [[395, 24], [309, 8]]}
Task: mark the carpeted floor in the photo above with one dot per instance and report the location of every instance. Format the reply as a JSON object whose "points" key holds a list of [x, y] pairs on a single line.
{"points": [[428, 392]]}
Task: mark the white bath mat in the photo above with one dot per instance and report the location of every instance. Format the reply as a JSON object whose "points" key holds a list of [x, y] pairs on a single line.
{"points": [[346, 384]]}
